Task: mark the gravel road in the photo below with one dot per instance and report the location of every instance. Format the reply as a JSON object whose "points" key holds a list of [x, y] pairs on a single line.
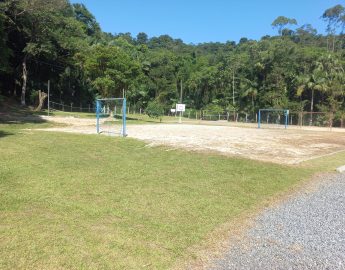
{"points": [[305, 232]]}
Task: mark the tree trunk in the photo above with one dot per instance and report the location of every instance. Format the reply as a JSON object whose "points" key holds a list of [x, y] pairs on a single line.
{"points": [[233, 87], [253, 102], [331, 117], [14, 92], [25, 78], [311, 107], [341, 42], [42, 97]]}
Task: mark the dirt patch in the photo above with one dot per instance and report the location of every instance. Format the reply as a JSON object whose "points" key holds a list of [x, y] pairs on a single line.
{"points": [[274, 145], [290, 146]]}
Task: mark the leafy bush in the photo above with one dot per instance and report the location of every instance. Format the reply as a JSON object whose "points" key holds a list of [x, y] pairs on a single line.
{"points": [[34, 97], [155, 110], [214, 109]]}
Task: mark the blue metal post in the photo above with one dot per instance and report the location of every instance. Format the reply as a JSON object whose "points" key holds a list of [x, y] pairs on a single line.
{"points": [[98, 107], [286, 118], [259, 119], [124, 109]]}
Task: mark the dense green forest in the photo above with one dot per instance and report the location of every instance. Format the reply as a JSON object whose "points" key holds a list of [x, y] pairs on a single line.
{"points": [[55, 40]]}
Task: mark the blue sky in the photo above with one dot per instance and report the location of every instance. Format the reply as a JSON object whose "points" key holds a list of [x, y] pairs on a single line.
{"points": [[196, 21]]}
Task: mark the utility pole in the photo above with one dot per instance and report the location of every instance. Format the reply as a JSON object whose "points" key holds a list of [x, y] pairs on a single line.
{"points": [[48, 97], [233, 87], [181, 93]]}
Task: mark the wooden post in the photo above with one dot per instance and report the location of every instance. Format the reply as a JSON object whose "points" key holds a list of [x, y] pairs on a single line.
{"points": [[48, 97], [71, 106]]}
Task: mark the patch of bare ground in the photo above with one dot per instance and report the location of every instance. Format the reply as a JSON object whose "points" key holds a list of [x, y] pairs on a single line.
{"points": [[291, 146]]}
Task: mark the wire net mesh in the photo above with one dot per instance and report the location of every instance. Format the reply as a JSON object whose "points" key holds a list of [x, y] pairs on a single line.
{"points": [[308, 119], [316, 119], [273, 119], [212, 116], [230, 116], [65, 107], [111, 116]]}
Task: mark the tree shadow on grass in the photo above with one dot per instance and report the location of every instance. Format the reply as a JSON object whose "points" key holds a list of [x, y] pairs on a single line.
{"points": [[129, 119], [5, 133], [13, 118]]}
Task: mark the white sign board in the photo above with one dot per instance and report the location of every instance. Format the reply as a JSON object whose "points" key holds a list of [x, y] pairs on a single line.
{"points": [[180, 107], [173, 110]]}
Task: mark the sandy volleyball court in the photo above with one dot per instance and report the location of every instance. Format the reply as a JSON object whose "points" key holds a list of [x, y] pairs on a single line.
{"points": [[290, 146]]}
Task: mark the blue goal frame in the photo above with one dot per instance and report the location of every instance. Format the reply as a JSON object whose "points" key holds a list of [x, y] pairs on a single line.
{"points": [[286, 114], [124, 117]]}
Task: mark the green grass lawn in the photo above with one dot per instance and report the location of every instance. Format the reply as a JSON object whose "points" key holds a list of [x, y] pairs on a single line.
{"points": [[72, 201]]}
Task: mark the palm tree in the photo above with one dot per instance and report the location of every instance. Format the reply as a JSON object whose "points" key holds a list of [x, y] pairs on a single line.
{"points": [[335, 82], [250, 90], [341, 116], [314, 82]]}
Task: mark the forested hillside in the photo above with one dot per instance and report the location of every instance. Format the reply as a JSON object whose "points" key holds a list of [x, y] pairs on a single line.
{"points": [[55, 40]]}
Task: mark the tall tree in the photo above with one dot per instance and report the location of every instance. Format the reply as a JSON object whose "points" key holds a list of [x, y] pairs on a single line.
{"points": [[334, 18], [110, 70], [90, 25], [281, 22], [142, 38], [36, 23], [5, 51]]}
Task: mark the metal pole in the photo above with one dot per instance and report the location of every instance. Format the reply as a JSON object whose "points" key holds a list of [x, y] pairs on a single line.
{"points": [[181, 93], [259, 120], [124, 119], [98, 105], [233, 87], [180, 120], [48, 97], [286, 119]]}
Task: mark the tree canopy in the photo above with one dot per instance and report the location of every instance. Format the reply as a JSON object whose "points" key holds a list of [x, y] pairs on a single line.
{"points": [[62, 42]]}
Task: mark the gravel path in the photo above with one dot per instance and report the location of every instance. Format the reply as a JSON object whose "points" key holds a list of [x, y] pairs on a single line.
{"points": [[305, 232]]}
